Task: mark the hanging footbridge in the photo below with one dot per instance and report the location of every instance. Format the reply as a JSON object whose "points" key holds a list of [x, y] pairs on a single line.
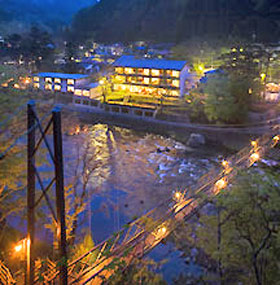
{"points": [[140, 236]]}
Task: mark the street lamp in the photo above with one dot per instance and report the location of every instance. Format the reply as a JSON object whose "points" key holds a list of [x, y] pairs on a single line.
{"points": [[22, 250], [21, 246]]}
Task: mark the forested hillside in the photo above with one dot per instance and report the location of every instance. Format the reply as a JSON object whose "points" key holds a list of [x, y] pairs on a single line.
{"points": [[176, 20], [17, 15]]}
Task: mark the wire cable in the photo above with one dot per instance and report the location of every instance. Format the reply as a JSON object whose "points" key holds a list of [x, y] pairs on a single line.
{"points": [[8, 149], [20, 108]]}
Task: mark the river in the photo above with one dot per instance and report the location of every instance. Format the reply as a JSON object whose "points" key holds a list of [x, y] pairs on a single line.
{"points": [[130, 173]]}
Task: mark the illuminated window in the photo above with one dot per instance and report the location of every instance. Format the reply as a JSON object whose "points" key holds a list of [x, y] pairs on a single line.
{"points": [[70, 82], [78, 92], [86, 93], [135, 89], [48, 87], [36, 79], [36, 85], [175, 73], [57, 80], [123, 87], [155, 72], [155, 81], [70, 89], [129, 71], [169, 82], [146, 72], [146, 80], [174, 93], [120, 87], [120, 79], [140, 71], [57, 87], [169, 72], [140, 79], [48, 80], [175, 83], [119, 70]]}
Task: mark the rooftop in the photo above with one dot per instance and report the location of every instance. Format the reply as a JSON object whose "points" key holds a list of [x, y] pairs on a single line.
{"points": [[88, 86], [61, 75], [131, 61]]}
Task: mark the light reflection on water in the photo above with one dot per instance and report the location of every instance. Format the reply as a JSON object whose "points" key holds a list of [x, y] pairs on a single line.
{"points": [[134, 173]]}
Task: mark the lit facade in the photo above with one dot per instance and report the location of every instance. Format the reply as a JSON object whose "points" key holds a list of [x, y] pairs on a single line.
{"points": [[151, 76], [60, 82]]}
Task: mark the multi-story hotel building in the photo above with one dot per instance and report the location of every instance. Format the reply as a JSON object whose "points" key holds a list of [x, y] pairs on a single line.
{"points": [[151, 76], [61, 82]]}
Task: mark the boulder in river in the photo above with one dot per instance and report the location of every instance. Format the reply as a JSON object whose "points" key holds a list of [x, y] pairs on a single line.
{"points": [[196, 140]]}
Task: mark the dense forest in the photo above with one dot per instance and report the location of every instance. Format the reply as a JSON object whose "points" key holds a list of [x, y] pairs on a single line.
{"points": [[178, 20], [18, 15]]}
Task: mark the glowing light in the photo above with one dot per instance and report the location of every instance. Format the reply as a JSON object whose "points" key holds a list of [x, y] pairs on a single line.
{"points": [[101, 82], [77, 130], [254, 157], [263, 76], [250, 91], [254, 143], [221, 184], [178, 196], [27, 80], [241, 50], [276, 138], [225, 163], [18, 248], [16, 86], [234, 50], [201, 68], [162, 230]]}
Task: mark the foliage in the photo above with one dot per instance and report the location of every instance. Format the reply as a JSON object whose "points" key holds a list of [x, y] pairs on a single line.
{"points": [[195, 102], [34, 48], [240, 237], [15, 15], [227, 98], [83, 247], [10, 72], [166, 21], [70, 54], [141, 272]]}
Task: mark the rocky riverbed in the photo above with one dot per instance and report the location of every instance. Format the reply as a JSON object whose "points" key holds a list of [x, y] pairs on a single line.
{"points": [[134, 173]]}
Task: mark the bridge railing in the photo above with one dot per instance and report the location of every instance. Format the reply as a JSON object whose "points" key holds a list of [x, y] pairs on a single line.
{"points": [[5, 275], [144, 233]]}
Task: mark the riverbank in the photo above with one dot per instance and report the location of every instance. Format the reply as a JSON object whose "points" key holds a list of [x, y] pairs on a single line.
{"points": [[218, 137]]}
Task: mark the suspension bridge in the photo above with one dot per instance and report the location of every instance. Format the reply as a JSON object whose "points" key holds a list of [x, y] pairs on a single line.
{"points": [[141, 235]]}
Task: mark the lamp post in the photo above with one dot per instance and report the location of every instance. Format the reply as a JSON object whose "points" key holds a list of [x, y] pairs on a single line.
{"points": [[21, 250]]}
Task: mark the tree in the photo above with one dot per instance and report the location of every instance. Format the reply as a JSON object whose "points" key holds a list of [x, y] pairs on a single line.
{"points": [[141, 272], [13, 46], [239, 234], [227, 98], [38, 46], [34, 48]]}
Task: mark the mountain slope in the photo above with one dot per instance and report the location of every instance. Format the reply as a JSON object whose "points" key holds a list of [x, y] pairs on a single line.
{"points": [[49, 13], [165, 20]]}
